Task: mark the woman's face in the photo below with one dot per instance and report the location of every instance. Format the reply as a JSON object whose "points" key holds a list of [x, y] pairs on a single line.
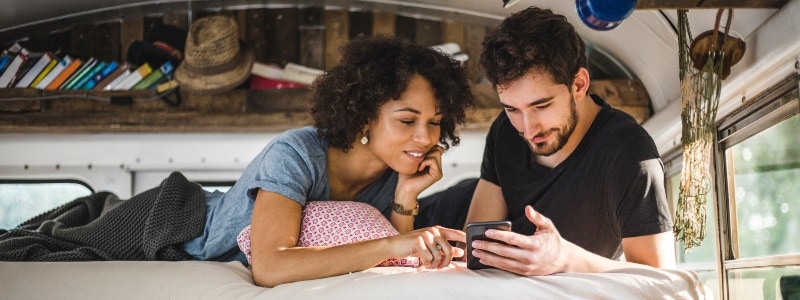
{"points": [[406, 129]]}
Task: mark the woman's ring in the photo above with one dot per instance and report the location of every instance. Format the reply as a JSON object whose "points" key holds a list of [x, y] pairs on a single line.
{"points": [[438, 247]]}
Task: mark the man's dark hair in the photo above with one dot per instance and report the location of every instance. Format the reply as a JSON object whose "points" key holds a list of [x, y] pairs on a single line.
{"points": [[537, 39], [374, 70]]}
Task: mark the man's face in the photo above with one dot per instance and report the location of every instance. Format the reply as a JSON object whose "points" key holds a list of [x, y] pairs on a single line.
{"points": [[542, 111]]}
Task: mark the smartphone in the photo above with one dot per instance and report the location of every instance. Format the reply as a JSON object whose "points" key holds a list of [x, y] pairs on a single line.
{"points": [[477, 231]]}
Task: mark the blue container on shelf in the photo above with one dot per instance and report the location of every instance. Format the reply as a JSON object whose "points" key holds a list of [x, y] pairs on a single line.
{"points": [[604, 14]]}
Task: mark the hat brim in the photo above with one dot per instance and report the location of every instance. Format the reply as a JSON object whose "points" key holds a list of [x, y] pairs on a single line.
{"points": [[218, 82]]}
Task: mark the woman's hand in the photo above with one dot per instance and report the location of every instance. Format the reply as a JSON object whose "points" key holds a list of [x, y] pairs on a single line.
{"points": [[428, 172], [431, 245]]}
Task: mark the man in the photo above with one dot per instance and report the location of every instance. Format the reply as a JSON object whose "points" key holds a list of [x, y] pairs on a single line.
{"points": [[581, 182]]}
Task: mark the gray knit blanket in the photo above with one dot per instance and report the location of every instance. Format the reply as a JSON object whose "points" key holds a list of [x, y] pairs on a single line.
{"points": [[151, 225]]}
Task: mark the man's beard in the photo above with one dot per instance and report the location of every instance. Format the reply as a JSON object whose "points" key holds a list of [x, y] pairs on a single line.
{"points": [[562, 134]]}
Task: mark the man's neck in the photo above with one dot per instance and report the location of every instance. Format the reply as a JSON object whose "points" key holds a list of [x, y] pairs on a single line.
{"points": [[587, 111]]}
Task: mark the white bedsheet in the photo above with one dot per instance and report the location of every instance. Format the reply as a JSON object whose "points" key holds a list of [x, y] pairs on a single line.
{"points": [[214, 280]]}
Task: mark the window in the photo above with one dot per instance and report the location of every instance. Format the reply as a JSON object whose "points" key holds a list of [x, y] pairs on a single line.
{"points": [[758, 166], [21, 200]]}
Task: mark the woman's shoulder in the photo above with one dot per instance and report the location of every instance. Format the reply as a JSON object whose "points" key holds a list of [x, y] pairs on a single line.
{"points": [[305, 139]]}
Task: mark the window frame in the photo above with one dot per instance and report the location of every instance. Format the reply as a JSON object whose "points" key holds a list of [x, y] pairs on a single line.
{"points": [[770, 107]]}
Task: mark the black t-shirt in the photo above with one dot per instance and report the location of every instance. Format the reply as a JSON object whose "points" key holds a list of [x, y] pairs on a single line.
{"points": [[610, 187]]}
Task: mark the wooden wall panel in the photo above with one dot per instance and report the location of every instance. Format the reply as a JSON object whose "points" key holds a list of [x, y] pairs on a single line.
{"points": [[38, 41], [336, 35], [256, 34], [383, 23], [282, 35], [177, 19], [454, 33], [312, 37], [108, 42], [131, 29], [151, 22], [405, 28], [360, 24], [83, 40], [428, 32], [473, 40], [60, 42]]}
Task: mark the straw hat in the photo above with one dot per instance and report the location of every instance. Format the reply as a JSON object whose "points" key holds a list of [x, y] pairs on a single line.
{"points": [[214, 59]]}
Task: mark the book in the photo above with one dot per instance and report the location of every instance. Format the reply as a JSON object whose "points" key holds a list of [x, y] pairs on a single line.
{"points": [[166, 86], [102, 74], [65, 74], [52, 64], [37, 66], [26, 66], [292, 72], [264, 83], [79, 74], [88, 76], [111, 85], [154, 77], [11, 71], [54, 72], [111, 77], [134, 77], [300, 73], [266, 70], [4, 61]]}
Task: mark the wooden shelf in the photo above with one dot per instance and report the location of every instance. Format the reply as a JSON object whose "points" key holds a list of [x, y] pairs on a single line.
{"points": [[240, 110]]}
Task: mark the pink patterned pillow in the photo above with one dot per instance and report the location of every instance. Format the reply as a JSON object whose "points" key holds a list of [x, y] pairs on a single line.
{"points": [[332, 223]]}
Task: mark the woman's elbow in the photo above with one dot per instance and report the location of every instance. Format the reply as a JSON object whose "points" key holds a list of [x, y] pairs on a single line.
{"points": [[266, 279]]}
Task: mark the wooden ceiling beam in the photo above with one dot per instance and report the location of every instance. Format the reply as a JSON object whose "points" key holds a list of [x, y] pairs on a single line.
{"points": [[694, 4]]}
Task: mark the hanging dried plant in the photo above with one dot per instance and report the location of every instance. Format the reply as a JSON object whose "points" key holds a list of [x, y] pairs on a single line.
{"points": [[700, 92]]}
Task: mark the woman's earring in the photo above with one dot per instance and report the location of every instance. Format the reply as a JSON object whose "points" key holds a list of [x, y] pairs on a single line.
{"points": [[364, 139]]}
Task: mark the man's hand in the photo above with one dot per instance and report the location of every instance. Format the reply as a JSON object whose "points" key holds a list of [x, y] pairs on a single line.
{"points": [[542, 253]]}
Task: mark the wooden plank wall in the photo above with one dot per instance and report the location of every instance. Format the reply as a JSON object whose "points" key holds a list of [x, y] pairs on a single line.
{"points": [[309, 36]]}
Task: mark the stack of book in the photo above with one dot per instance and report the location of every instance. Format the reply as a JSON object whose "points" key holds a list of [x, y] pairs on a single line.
{"points": [[267, 76], [21, 68]]}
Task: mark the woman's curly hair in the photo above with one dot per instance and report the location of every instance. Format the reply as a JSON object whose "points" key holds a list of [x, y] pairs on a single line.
{"points": [[533, 38], [374, 70]]}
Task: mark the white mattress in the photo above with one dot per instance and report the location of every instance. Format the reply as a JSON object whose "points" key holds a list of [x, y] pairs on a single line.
{"points": [[214, 280]]}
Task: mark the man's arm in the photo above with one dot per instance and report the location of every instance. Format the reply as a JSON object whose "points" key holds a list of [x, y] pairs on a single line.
{"points": [[543, 253], [487, 203], [657, 250]]}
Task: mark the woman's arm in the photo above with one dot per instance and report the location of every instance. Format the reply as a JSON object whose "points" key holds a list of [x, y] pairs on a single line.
{"points": [[276, 259], [410, 186]]}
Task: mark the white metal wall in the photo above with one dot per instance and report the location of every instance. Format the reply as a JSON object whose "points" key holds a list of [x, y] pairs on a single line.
{"points": [[131, 163]]}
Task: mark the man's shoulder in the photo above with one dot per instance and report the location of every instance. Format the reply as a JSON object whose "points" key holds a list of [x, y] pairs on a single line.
{"points": [[616, 123]]}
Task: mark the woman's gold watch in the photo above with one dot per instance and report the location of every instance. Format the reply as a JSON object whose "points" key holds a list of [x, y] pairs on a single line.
{"points": [[406, 212]]}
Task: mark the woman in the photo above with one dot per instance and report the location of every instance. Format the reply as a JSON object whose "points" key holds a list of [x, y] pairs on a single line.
{"points": [[382, 119]]}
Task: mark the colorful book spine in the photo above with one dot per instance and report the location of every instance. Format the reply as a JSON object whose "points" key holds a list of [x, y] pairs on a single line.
{"points": [[117, 78], [47, 69], [11, 72], [65, 74], [154, 77], [113, 85], [57, 69], [107, 70], [134, 77], [36, 68], [79, 74], [79, 82], [4, 62], [88, 76]]}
